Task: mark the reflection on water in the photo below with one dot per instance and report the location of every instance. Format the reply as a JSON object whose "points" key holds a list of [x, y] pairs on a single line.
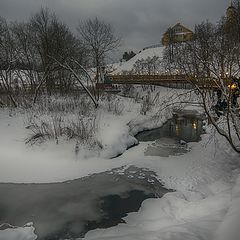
{"points": [[70, 209], [186, 127], [173, 136]]}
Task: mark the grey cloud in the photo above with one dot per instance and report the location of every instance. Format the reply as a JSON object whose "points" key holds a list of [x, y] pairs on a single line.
{"points": [[139, 22]]}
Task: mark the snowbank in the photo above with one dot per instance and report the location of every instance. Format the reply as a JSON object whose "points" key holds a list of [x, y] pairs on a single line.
{"points": [[206, 205], [229, 228], [144, 54], [20, 163], [171, 217], [207, 179], [179, 216], [18, 233]]}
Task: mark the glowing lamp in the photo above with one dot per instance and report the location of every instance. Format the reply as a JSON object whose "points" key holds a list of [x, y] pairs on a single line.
{"points": [[232, 86]]}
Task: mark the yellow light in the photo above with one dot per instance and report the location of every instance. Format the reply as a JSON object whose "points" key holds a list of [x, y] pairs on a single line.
{"points": [[177, 129], [194, 125], [232, 86]]}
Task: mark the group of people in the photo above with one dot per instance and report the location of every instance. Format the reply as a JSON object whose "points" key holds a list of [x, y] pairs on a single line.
{"points": [[222, 104]]}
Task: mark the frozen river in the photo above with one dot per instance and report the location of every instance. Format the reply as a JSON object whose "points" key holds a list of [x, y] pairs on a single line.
{"points": [[70, 209]]}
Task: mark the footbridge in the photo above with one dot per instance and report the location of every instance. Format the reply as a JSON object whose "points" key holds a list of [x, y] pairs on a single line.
{"points": [[174, 80], [148, 79]]}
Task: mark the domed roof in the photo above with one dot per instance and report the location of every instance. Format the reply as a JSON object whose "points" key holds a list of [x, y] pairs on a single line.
{"points": [[231, 8], [231, 11]]}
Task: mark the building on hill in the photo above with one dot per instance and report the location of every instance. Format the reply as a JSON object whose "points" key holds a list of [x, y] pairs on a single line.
{"points": [[177, 33], [231, 14]]}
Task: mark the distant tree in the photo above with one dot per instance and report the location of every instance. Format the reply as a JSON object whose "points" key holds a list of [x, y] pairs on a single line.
{"points": [[150, 66], [125, 56], [52, 39], [7, 60], [98, 38], [26, 55], [128, 55]]}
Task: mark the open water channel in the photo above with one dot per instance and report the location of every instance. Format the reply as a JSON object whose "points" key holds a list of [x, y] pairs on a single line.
{"points": [[70, 209]]}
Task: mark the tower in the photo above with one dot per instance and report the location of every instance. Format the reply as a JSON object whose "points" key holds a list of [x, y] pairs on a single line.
{"points": [[231, 16]]}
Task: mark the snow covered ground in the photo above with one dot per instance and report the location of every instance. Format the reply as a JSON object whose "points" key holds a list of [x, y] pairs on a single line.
{"points": [[51, 162], [205, 205], [19, 233], [206, 179], [144, 54]]}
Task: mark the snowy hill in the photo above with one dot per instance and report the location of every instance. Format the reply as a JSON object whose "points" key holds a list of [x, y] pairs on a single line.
{"points": [[144, 54]]}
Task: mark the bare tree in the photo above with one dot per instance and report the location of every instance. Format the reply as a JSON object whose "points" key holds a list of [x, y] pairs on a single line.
{"points": [[68, 67], [149, 66], [99, 39], [27, 56], [7, 60], [52, 38], [211, 63]]}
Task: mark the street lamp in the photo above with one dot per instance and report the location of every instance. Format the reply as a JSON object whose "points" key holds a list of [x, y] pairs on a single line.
{"points": [[232, 86]]}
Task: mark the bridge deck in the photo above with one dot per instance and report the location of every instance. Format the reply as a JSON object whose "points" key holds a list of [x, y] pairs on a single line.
{"points": [[135, 79], [163, 79]]}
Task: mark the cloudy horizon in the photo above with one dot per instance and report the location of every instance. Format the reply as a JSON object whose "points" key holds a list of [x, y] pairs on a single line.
{"points": [[140, 23]]}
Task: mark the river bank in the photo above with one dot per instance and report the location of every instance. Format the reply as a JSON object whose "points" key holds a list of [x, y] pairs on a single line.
{"points": [[203, 178]]}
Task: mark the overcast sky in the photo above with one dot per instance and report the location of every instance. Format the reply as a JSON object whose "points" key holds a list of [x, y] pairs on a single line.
{"points": [[139, 22]]}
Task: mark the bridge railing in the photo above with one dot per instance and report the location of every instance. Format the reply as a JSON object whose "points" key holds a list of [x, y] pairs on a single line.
{"points": [[166, 79], [143, 78]]}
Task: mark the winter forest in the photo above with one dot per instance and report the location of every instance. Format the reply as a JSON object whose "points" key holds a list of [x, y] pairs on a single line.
{"points": [[103, 141]]}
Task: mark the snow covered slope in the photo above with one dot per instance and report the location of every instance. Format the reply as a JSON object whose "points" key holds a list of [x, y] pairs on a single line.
{"points": [[144, 54]]}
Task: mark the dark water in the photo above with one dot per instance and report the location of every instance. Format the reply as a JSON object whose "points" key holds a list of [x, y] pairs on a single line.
{"points": [[180, 127], [70, 209], [173, 136]]}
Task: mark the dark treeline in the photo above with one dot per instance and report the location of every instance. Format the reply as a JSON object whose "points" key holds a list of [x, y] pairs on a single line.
{"points": [[44, 54]]}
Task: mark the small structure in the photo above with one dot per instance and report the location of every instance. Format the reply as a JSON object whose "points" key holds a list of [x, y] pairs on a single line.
{"points": [[106, 84], [231, 19], [177, 33], [231, 13]]}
